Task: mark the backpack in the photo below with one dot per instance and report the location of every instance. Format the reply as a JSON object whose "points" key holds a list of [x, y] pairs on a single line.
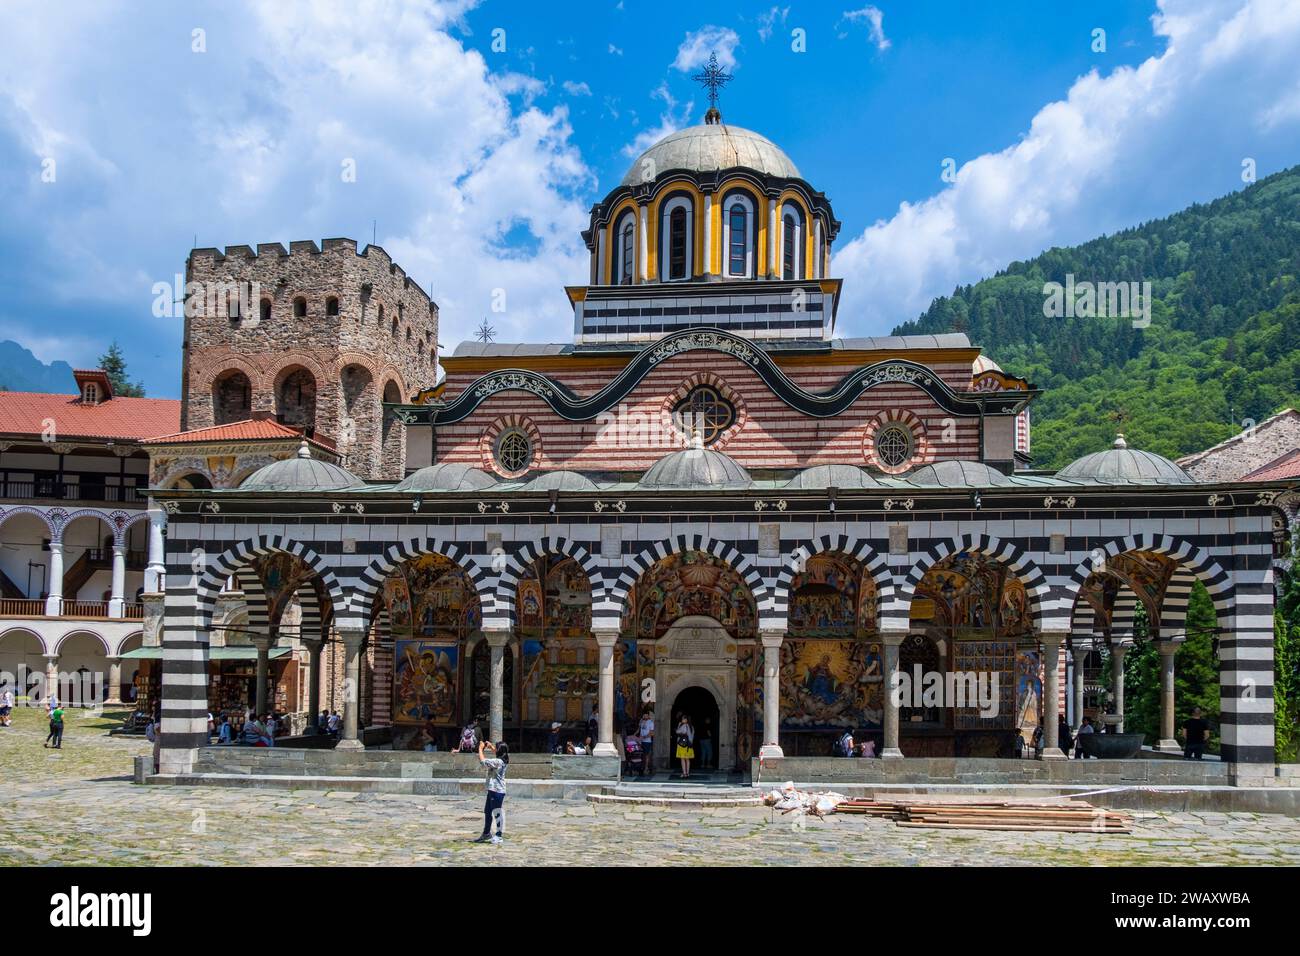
{"points": [[841, 746]]}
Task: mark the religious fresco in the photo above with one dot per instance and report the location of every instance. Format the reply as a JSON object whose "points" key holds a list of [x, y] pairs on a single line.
{"points": [[987, 658], [692, 582], [824, 598], [432, 607], [558, 607], [281, 575], [749, 701], [829, 684], [425, 682], [1014, 618], [627, 686], [561, 679], [1029, 690]]}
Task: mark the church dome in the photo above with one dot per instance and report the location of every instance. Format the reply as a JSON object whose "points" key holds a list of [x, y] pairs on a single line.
{"points": [[447, 476], [957, 474], [710, 147], [301, 473], [695, 467], [560, 481], [1121, 465], [832, 476], [984, 364]]}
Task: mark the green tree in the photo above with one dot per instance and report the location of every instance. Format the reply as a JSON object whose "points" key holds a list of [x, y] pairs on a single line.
{"points": [[1196, 669], [114, 365]]}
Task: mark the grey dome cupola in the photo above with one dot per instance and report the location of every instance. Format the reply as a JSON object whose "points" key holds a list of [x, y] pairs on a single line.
{"points": [[447, 476], [696, 467], [955, 473], [1121, 465], [708, 148], [832, 476], [301, 473]]}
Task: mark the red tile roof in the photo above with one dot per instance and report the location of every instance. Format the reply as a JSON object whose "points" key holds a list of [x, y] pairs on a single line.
{"points": [[26, 413], [1288, 466], [257, 429]]}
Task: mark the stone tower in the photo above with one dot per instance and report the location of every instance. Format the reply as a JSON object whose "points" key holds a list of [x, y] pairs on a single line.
{"points": [[316, 338]]}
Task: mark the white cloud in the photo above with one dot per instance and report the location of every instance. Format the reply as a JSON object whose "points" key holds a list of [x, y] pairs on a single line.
{"points": [[767, 21], [1120, 148], [615, 50], [695, 49], [674, 117], [244, 144], [576, 89], [875, 22]]}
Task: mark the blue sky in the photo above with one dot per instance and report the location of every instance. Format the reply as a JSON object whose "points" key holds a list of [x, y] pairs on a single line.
{"points": [[480, 164]]}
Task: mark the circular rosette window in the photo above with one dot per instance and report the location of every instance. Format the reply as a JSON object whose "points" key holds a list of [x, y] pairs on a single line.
{"points": [[895, 442], [510, 447]]}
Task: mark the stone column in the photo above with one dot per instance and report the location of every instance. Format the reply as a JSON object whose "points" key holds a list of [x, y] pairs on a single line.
{"points": [[313, 686], [113, 692], [1167, 743], [1051, 641], [351, 736], [115, 602], [706, 268], [54, 600], [772, 640], [605, 703], [497, 641], [263, 645], [1080, 656], [52, 677], [155, 572], [1117, 683], [892, 641], [771, 239]]}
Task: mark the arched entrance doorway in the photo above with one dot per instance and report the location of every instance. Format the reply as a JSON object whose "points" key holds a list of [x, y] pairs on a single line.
{"points": [[696, 656], [701, 707]]}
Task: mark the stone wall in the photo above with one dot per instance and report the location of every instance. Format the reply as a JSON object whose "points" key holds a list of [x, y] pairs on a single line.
{"points": [[323, 337], [1234, 459]]}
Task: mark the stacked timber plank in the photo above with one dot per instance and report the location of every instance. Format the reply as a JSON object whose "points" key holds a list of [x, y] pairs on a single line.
{"points": [[1061, 816]]}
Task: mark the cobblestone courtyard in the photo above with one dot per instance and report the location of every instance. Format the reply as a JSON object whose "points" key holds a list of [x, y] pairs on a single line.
{"points": [[77, 806]]}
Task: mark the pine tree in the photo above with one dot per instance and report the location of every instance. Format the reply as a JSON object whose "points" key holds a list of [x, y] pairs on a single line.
{"points": [[1196, 669], [114, 365]]}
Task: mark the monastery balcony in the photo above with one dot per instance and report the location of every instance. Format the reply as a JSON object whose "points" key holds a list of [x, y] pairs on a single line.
{"points": [[69, 610], [89, 487]]}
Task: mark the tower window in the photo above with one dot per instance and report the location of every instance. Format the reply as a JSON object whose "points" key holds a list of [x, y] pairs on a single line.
{"points": [[737, 240], [265, 312], [332, 306], [625, 254], [704, 408], [789, 249], [300, 308], [394, 328], [677, 244], [381, 316]]}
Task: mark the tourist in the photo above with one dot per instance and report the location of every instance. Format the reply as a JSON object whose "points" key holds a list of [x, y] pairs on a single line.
{"points": [[646, 731], [844, 745], [1037, 742], [272, 725], [685, 744], [1063, 736], [553, 740], [212, 726], [152, 733], [51, 703], [468, 743], [706, 743], [6, 707], [224, 731], [323, 722], [867, 749], [1196, 733], [335, 724], [1084, 728], [493, 806], [56, 728], [593, 724], [1020, 744]]}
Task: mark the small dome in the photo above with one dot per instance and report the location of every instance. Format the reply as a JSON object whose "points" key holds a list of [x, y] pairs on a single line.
{"points": [[560, 481], [695, 467], [984, 364], [1121, 465], [301, 473], [957, 474], [832, 476], [447, 476], [708, 148]]}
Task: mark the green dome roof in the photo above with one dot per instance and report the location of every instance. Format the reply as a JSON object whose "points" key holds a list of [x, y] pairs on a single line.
{"points": [[695, 467], [832, 476], [1122, 465], [447, 476]]}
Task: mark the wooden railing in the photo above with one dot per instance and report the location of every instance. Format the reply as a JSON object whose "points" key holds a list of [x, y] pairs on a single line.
{"points": [[35, 607], [21, 607]]}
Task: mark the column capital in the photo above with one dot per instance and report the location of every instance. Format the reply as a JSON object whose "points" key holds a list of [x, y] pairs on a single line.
{"points": [[893, 638], [263, 642], [771, 636], [497, 637], [1167, 648], [606, 637], [352, 637], [1056, 638]]}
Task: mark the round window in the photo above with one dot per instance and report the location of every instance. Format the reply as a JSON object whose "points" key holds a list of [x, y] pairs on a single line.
{"points": [[514, 452], [704, 408], [893, 446]]}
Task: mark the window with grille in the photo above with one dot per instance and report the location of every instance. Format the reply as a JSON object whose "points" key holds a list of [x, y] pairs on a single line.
{"points": [[704, 408], [514, 452], [894, 446]]}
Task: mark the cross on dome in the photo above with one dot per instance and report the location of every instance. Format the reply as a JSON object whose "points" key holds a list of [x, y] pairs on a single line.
{"points": [[713, 78]]}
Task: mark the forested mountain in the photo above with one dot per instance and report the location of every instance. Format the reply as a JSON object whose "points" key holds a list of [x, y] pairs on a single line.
{"points": [[1223, 345]]}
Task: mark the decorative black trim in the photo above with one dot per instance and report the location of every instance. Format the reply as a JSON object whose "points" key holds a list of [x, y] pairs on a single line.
{"points": [[826, 405]]}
